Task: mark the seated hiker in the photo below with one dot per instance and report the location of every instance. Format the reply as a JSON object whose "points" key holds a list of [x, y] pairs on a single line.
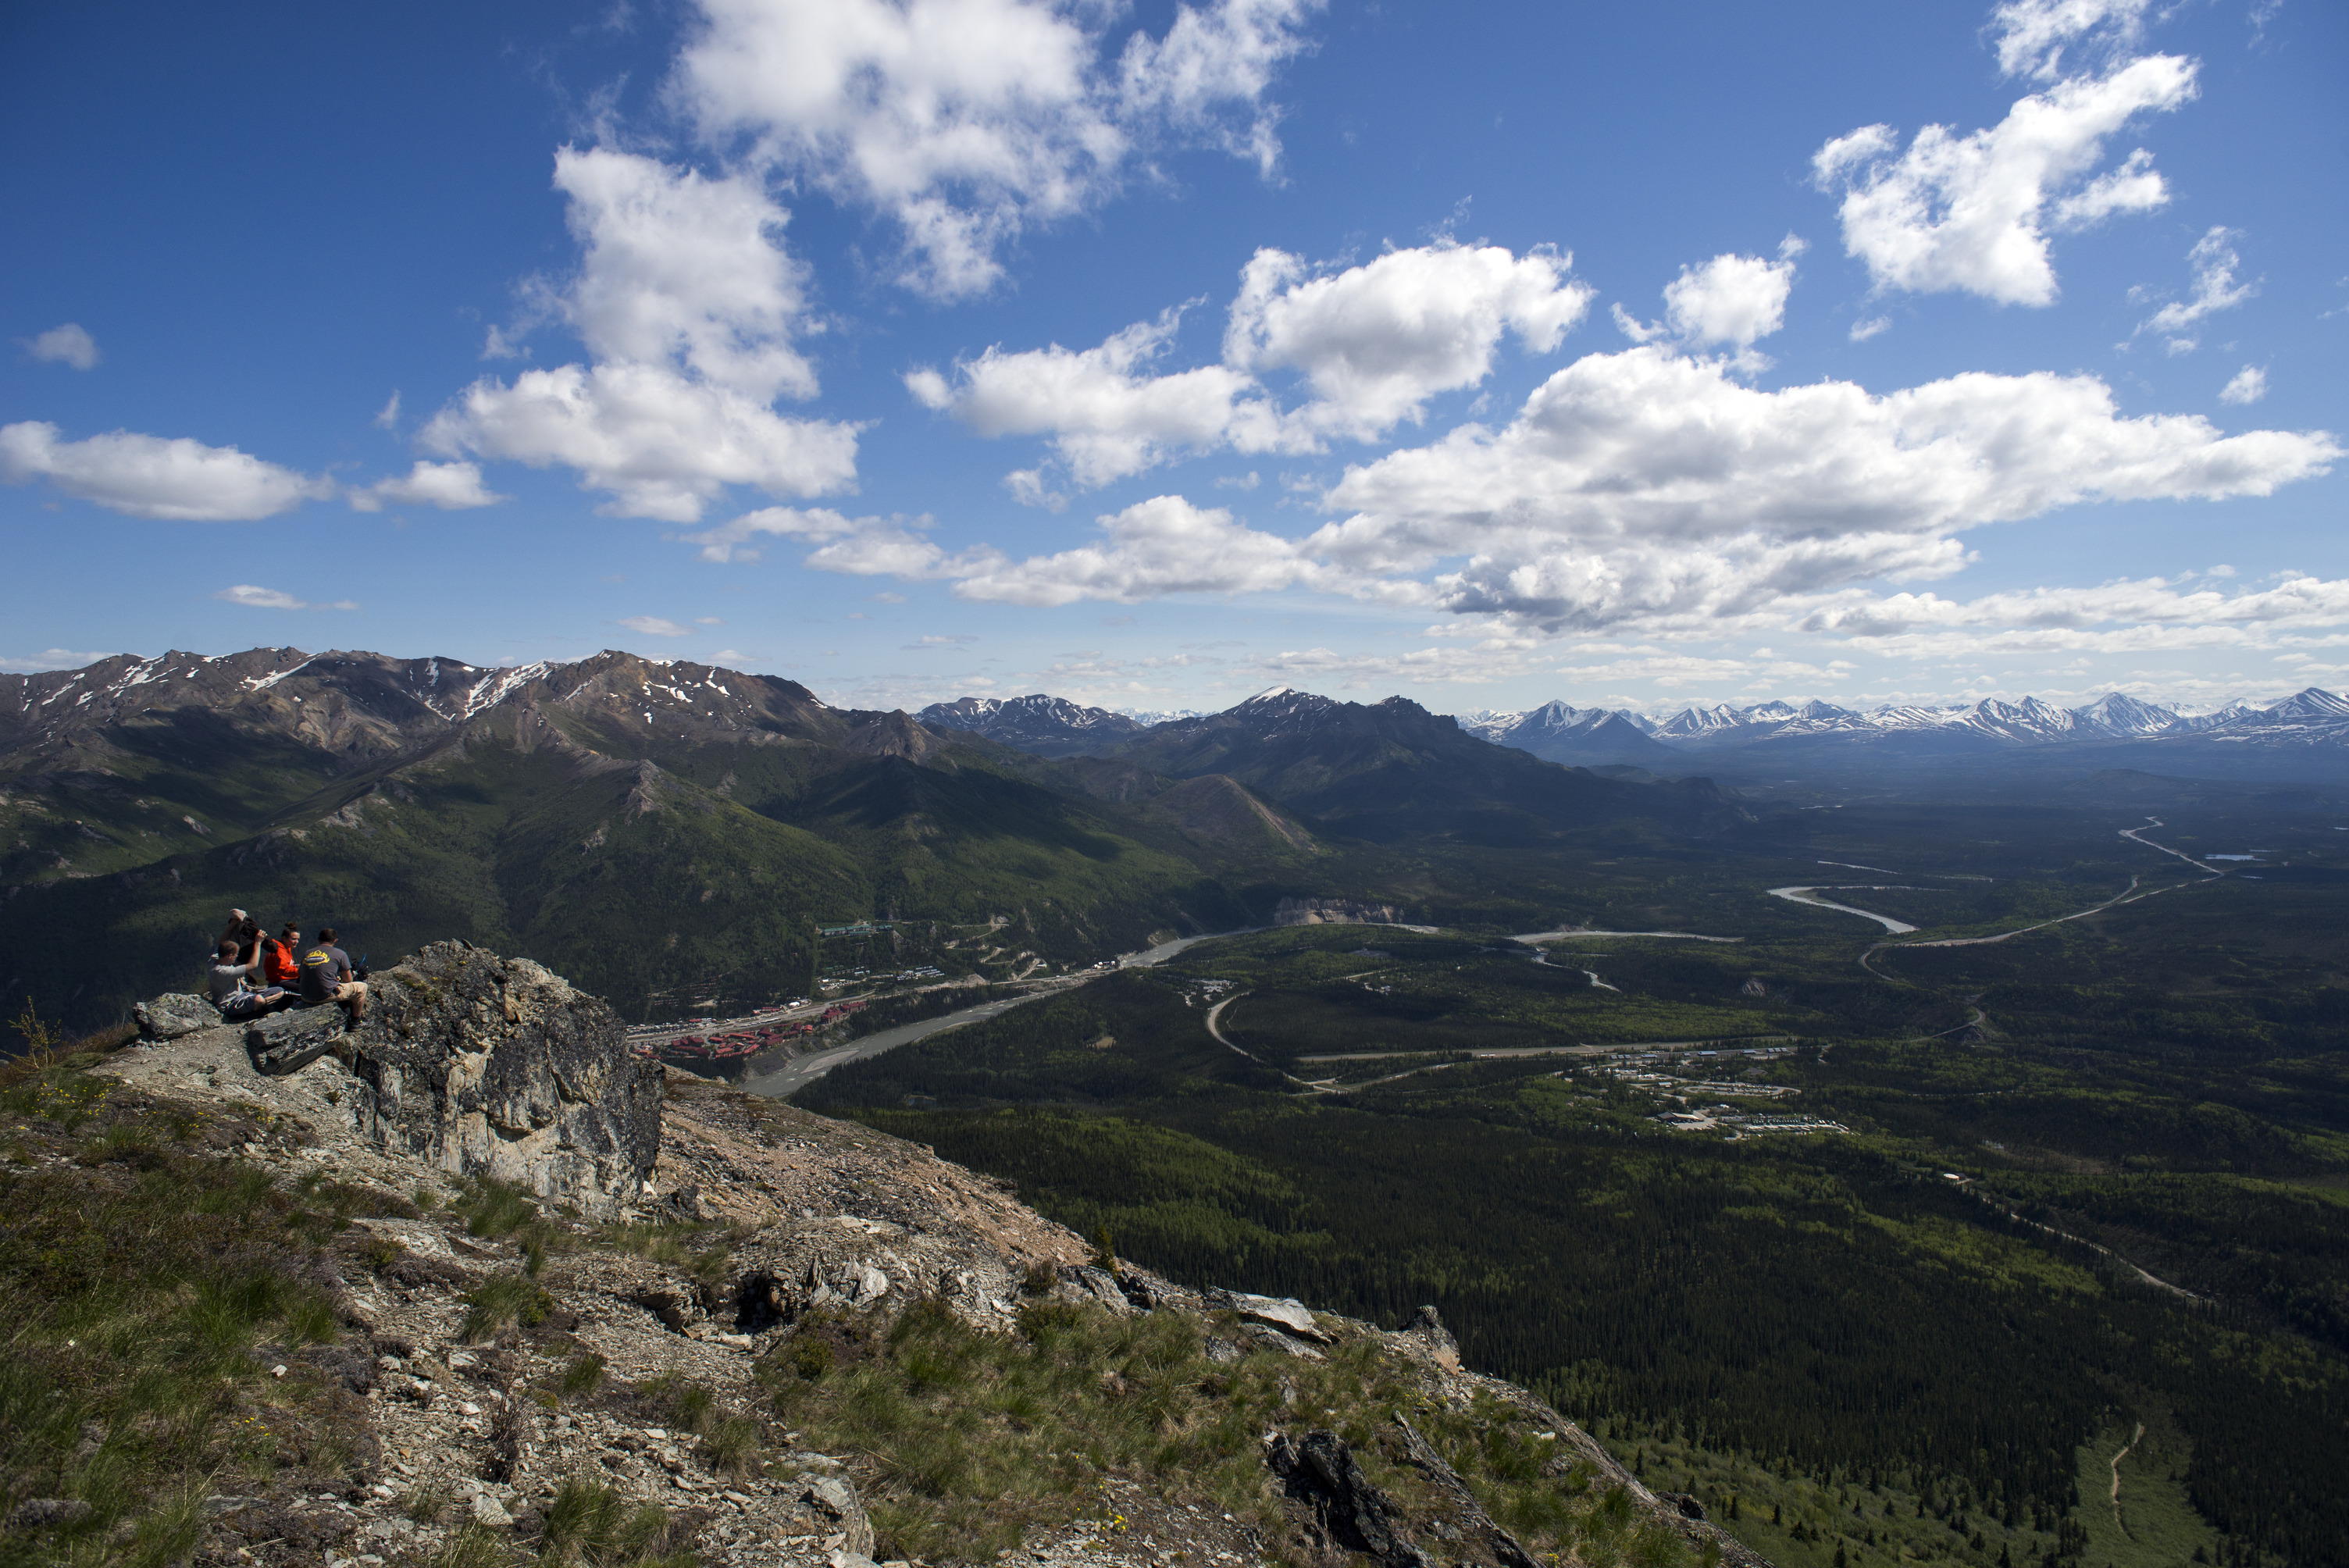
{"points": [[278, 967], [326, 977], [233, 992], [245, 931]]}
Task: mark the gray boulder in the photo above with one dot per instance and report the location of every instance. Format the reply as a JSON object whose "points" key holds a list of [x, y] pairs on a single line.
{"points": [[497, 1068], [836, 1501], [1353, 1514], [287, 1042], [175, 1014], [1284, 1313]]}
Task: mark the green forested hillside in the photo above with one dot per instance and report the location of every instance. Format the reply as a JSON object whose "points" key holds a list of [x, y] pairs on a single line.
{"points": [[1912, 1340]]}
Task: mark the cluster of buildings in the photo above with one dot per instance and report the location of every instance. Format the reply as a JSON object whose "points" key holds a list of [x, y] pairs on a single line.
{"points": [[1697, 1080]]}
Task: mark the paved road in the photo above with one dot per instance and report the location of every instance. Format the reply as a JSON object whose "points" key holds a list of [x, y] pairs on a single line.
{"points": [[798, 1074], [1802, 895], [1619, 1047], [1562, 935], [803, 1070]]}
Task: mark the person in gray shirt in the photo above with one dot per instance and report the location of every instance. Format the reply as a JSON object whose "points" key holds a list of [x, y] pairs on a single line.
{"points": [[233, 991], [326, 977]]}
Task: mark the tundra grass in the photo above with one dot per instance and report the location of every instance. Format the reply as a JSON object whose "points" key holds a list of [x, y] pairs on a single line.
{"points": [[151, 1289], [963, 1442]]}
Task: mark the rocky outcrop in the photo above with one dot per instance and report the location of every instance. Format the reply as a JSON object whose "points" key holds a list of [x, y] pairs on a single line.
{"points": [[1337, 911], [827, 1233], [471, 1063], [287, 1042], [174, 1015], [495, 1066], [1349, 1511], [849, 1263]]}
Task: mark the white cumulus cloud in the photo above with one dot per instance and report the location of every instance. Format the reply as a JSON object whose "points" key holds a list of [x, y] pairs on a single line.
{"points": [[1730, 300], [654, 626], [663, 444], [1367, 346], [2033, 36], [452, 487], [259, 598], [2247, 385], [2296, 600], [676, 266], [1108, 415], [2214, 261], [863, 546], [968, 120], [1646, 484], [177, 479], [1374, 342], [1974, 212], [689, 308], [66, 344], [1160, 546], [1651, 489]]}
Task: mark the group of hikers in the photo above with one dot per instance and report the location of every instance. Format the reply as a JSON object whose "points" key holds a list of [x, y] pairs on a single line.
{"points": [[254, 973]]}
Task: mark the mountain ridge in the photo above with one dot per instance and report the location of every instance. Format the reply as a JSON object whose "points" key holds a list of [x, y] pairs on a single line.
{"points": [[2313, 722], [669, 831]]}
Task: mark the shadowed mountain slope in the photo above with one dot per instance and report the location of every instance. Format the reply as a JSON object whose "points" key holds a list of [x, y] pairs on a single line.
{"points": [[1392, 769], [658, 830]]}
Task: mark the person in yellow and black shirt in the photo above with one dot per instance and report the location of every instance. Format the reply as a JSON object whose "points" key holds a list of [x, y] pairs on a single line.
{"points": [[326, 977]]}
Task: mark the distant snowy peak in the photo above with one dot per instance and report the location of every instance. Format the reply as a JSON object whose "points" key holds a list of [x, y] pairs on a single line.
{"points": [[2029, 719], [1690, 722], [1047, 724], [2114, 713], [2311, 705], [2310, 716], [1281, 704], [1560, 732]]}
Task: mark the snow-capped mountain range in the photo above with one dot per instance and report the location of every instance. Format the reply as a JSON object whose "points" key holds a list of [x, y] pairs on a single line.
{"points": [[2311, 717], [2313, 725]]}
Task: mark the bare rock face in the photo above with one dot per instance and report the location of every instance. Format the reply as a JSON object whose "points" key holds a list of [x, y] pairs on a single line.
{"points": [[175, 1014], [495, 1066], [1337, 911], [1352, 1514]]}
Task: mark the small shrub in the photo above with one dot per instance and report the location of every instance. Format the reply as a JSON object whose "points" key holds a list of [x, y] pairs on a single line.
{"points": [[504, 1302], [808, 1356], [494, 1208], [310, 1320], [582, 1376], [733, 1447], [686, 1405], [472, 1545], [592, 1525]]}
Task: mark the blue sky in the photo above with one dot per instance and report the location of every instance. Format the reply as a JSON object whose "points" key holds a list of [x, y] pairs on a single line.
{"points": [[1152, 355]]}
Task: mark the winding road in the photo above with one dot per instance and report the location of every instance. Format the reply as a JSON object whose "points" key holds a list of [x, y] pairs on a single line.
{"points": [[2129, 894], [1530, 936], [1896, 927], [799, 1073]]}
